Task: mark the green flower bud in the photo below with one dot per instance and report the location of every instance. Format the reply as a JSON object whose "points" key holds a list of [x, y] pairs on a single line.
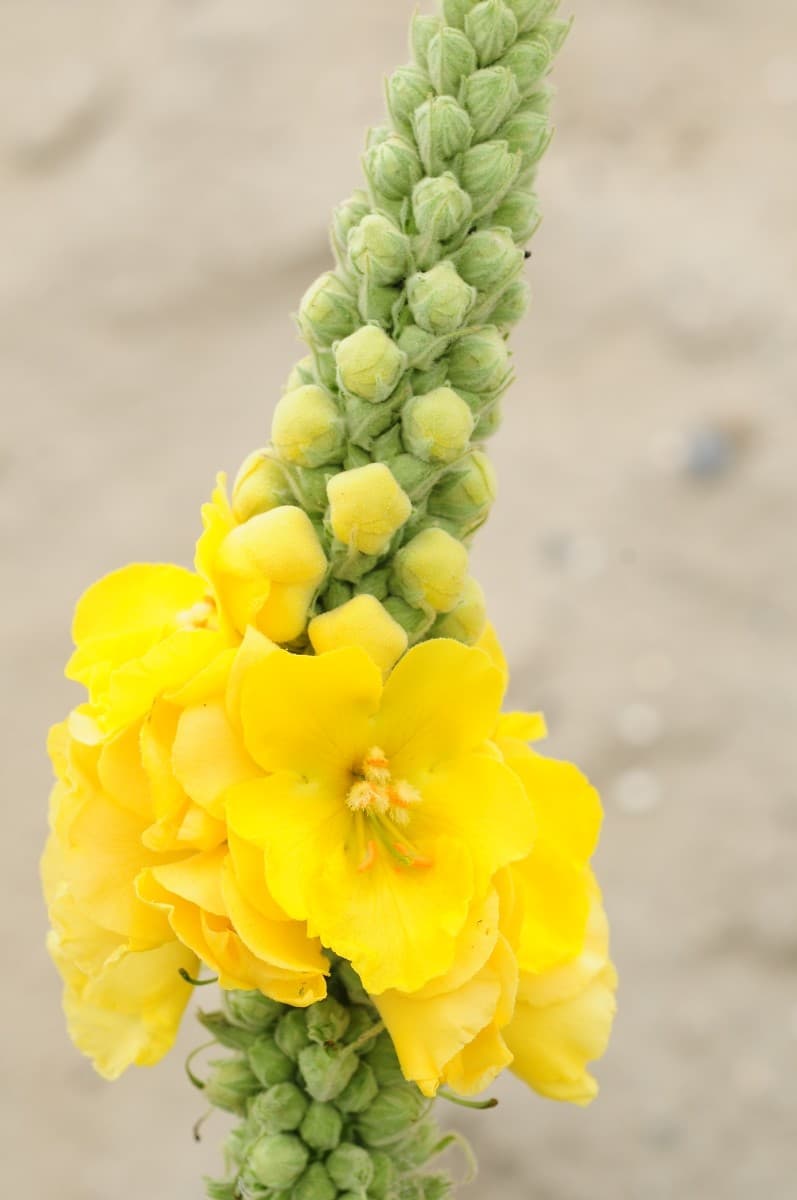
{"points": [[488, 424], [489, 96], [291, 1033], [260, 485], [303, 372], [326, 1021], [307, 427], [350, 1167], [555, 33], [366, 421], [442, 130], [345, 218], [427, 381], [487, 173], [422, 348], [414, 621], [325, 369], [529, 13], [528, 60], [415, 476], [455, 11], [326, 1070], [511, 305], [392, 1113], [378, 303], [315, 1184], [225, 1033], [277, 1160], [437, 1186], [451, 58], [218, 1189], [279, 1110], [250, 1188], [345, 973], [359, 1091], [363, 1017], [388, 445], [379, 250], [383, 1061], [492, 28], [252, 1010], [416, 1147], [479, 361], [487, 259], [437, 427], [369, 363], [440, 206], [540, 100], [439, 299], [337, 593], [465, 623], [466, 494], [519, 212], [230, 1084], [384, 1175], [430, 570], [328, 310], [269, 1063], [422, 30], [393, 168], [377, 134], [406, 89], [355, 456], [322, 1126], [528, 133], [309, 487]]}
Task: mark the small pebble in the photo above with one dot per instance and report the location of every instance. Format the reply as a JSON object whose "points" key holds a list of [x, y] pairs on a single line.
{"points": [[636, 791]]}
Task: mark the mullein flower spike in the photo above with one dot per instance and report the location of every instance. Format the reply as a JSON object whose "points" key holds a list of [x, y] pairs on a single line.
{"points": [[291, 764]]}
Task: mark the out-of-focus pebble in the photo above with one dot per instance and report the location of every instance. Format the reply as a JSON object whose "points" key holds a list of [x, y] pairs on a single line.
{"points": [[709, 453], [636, 791]]}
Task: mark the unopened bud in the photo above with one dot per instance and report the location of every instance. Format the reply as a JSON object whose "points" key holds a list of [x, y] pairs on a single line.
{"points": [[415, 476], [428, 380], [392, 1113], [479, 361], [362, 621], [440, 206], [378, 303], [326, 1070], [451, 58], [359, 1091], [528, 133], [430, 570], [277, 1160], [422, 30], [555, 33], [528, 60], [407, 87], [252, 1010], [350, 1167], [379, 250], [363, 1019], [439, 299], [325, 368], [529, 13], [225, 1032], [488, 423], [328, 310], [366, 507], [519, 212], [322, 1126], [309, 486], [492, 28], [437, 427], [442, 130], [388, 445], [384, 1175], [467, 619], [489, 96], [230, 1084], [326, 1021], [307, 427], [437, 1186], [315, 1184], [466, 494], [487, 259], [302, 373], [260, 485], [487, 173], [455, 11], [268, 1062], [345, 973], [291, 1033], [345, 218], [393, 167], [369, 363], [279, 1110], [540, 100], [511, 305]]}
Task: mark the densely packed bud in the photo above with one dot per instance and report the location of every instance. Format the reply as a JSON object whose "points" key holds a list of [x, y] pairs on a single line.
{"points": [[307, 428], [393, 167], [260, 485], [487, 173], [430, 570], [492, 28], [281, 1109], [230, 1084], [252, 1010], [489, 95], [291, 1033], [441, 207], [360, 621], [379, 250], [487, 259], [268, 1063], [328, 310], [479, 361], [407, 87], [511, 305], [369, 364], [359, 1092], [450, 59], [439, 299], [326, 1070], [392, 1113], [437, 427], [442, 130], [466, 494], [345, 218], [366, 507], [528, 134], [519, 212], [277, 1160], [455, 11], [315, 1184], [322, 1126], [422, 30], [350, 1167], [303, 372], [529, 61], [326, 1021], [529, 13], [555, 33], [467, 619]]}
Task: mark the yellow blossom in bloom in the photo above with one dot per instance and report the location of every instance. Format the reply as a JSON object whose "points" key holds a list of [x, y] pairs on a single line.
{"points": [[385, 812], [366, 507], [361, 621]]}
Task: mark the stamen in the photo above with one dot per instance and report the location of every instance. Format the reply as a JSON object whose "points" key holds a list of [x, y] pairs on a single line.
{"points": [[412, 857], [404, 795], [361, 796], [376, 767], [369, 858]]}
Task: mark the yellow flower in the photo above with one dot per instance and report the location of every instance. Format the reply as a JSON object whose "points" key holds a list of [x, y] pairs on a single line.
{"points": [[361, 621], [386, 812]]}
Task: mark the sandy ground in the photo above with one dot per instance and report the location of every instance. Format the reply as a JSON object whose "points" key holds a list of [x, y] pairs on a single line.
{"points": [[159, 219]]}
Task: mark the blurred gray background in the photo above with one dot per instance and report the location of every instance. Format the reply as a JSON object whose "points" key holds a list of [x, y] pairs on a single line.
{"points": [[167, 171]]}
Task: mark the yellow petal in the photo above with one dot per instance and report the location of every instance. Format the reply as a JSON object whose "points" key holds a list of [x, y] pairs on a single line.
{"points": [[281, 944], [567, 807], [523, 726], [138, 597], [555, 897], [196, 879], [208, 757], [122, 775], [489, 643], [361, 621]]}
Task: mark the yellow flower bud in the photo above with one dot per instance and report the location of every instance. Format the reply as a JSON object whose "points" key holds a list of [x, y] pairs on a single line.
{"points": [[260, 485], [439, 299], [328, 310], [363, 621], [307, 428], [366, 507], [302, 373], [467, 619], [369, 363], [437, 427], [431, 569]]}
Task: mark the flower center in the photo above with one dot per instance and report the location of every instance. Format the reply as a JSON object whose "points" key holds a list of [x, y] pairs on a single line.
{"points": [[384, 805], [199, 616]]}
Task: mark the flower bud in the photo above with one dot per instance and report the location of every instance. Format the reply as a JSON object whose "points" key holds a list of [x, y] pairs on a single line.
{"points": [[430, 570], [326, 1021], [487, 173], [377, 134], [392, 1113], [529, 13], [277, 1160], [489, 96], [366, 507], [415, 621], [479, 361], [527, 133], [440, 206], [378, 303], [322, 1126], [487, 259], [415, 476], [392, 167], [369, 364], [455, 11], [511, 305], [325, 368], [252, 1010], [260, 485], [291, 1033], [407, 87], [359, 1091], [436, 1187], [437, 427], [350, 1167], [384, 1175], [428, 380], [519, 212], [388, 445], [345, 218], [218, 1189], [315, 1184], [309, 486], [442, 130], [363, 621], [303, 372], [492, 28], [451, 58], [225, 1033], [379, 250], [466, 494], [555, 33], [307, 427], [326, 1070], [328, 310], [439, 299], [528, 60], [466, 622], [345, 974], [230, 1084], [268, 1062], [422, 30], [488, 423], [279, 1110], [363, 1019]]}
